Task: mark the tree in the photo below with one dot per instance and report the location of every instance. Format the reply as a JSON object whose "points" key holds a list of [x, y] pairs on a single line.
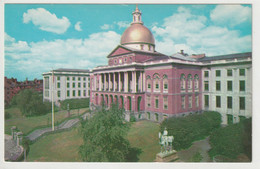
{"points": [[104, 137], [30, 103]]}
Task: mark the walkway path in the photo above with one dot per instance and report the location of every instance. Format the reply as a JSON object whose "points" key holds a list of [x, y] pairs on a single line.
{"points": [[36, 134], [201, 146]]}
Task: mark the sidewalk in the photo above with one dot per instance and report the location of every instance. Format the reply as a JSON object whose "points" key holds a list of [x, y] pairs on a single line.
{"points": [[36, 134], [201, 146]]}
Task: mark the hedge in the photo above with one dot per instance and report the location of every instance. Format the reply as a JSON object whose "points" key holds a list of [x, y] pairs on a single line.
{"points": [[191, 128], [232, 140], [75, 103]]}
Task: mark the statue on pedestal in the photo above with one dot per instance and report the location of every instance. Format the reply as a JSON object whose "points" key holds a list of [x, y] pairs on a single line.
{"points": [[165, 141]]}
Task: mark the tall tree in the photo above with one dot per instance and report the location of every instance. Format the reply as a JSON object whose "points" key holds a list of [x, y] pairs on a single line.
{"points": [[104, 138]]}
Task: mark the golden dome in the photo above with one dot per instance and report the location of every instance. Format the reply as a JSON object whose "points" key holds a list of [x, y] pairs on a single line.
{"points": [[137, 33]]}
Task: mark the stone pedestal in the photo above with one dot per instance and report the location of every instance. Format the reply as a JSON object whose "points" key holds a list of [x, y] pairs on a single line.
{"points": [[167, 157]]}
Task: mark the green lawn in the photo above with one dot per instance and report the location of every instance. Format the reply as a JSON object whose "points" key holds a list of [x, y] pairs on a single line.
{"points": [[27, 124], [144, 135], [59, 147], [64, 146]]}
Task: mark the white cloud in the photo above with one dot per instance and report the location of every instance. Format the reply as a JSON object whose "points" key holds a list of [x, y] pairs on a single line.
{"points": [[46, 21], [106, 27], [122, 24], [70, 53], [77, 26], [184, 30], [231, 14]]}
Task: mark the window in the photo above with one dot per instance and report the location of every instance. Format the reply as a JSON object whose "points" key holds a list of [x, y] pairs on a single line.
{"points": [[58, 85], [46, 93], [229, 85], [165, 83], [229, 72], [156, 83], [68, 78], [206, 73], [218, 101], [58, 77], [165, 103], [242, 72], [197, 100], [218, 73], [183, 102], [68, 85], [218, 86], [242, 103], [142, 47], [73, 85], [148, 115], [156, 102], [206, 85], [242, 85], [229, 102], [84, 78], [79, 78], [79, 85], [206, 100], [84, 93], [84, 85], [79, 93], [46, 83], [189, 81], [58, 93], [148, 101], [68, 93], [156, 117], [190, 101], [196, 81], [183, 82], [149, 83], [88, 92], [73, 78], [74, 93]]}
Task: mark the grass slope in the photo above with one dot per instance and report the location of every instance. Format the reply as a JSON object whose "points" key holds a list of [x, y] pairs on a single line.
{"points": [[144, 135], [64, 146], [59, 147], [27, 124]]}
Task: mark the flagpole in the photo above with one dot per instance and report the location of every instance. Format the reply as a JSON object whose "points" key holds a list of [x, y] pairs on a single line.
{"points": [[52, 100]]}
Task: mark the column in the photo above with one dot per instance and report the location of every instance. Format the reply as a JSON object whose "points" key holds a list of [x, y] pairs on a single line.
{"points": [[119, 81], [141, 81], [105, 82], [95, 83], [114, 81], [100, 81], [134, 82], [126, 81], [109, 85]]}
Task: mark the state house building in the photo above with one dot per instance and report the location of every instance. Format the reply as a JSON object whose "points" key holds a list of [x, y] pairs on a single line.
{"points": [[154, 86]]}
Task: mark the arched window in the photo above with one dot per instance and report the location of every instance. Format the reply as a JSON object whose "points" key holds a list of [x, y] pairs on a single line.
{"points": [[165, 83], [156, 86], [149, 83], [182, 82], [196, 82], [189, 81]]}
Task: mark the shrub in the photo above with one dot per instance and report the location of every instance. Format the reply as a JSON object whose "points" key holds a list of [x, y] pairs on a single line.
{"points": [[191, 128], [7, 115], [132, 118], [232, 140], [75, 103]]}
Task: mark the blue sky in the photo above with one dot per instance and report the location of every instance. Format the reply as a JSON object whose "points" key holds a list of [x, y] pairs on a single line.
{"points": [[39, 37]]}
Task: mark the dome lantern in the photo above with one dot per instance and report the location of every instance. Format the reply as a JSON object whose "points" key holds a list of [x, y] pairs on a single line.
{"points": [[137, 35]]}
